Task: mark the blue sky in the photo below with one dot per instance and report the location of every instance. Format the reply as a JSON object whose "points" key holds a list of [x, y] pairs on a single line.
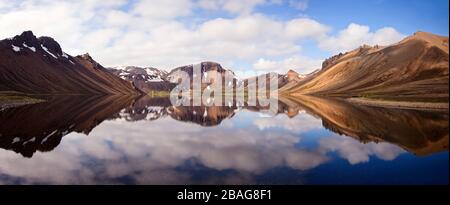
{"points": [[407, 16], [244, 35]]}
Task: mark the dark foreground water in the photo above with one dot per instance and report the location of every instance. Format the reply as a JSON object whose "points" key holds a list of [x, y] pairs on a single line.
{"points": [[117, 140]]}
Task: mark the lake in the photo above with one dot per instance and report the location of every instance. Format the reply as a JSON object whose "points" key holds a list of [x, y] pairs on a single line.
{"points": [[121, 140]]}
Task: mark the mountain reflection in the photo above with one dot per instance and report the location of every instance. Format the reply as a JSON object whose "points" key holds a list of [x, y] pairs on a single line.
{"points": [[41, 126], [147, 140], [420, 132]]}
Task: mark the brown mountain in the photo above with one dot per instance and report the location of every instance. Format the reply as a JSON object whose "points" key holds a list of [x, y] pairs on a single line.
{"points": [[416, 67], [38, 65]]}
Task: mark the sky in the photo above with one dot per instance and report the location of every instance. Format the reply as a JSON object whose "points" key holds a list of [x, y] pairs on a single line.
{"points": [[246, 36]]}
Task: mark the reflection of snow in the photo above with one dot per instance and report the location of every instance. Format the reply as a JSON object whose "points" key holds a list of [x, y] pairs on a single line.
{"points": [[15, 140]]}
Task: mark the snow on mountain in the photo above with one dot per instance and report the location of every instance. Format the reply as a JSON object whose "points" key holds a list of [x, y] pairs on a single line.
{"points": [[147, 74], [146, 79]]}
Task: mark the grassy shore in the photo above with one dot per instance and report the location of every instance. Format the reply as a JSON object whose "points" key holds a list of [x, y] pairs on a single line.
{"points": [[10, 99], [398, 103]]}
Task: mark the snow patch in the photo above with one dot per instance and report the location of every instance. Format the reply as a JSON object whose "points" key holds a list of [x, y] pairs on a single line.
{"points": [[150, 72], [29, 47], [122, 67], [65, 55], [71, 62], [46, 50], [15, 48], [157, 79]]}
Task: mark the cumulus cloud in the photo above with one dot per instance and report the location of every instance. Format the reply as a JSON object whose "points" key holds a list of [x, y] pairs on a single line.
{"points": [[155, 33], [305, 27], [301, 64], [356, 35], [163, 9]]}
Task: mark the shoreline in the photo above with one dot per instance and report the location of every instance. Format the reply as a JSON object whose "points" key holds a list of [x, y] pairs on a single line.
{"points": [[400, 104], [12, 101], [7, 105]]}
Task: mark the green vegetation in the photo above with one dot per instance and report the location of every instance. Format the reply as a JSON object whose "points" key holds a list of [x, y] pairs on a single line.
{"points": [[158, 94], [14, 99], [404, 98]]}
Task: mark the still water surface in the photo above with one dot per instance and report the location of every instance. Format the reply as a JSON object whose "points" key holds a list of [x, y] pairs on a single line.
{"points": [[117, 140]]}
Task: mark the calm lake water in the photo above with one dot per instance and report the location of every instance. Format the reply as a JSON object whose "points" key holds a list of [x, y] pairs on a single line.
{"points": [[117, 140]]}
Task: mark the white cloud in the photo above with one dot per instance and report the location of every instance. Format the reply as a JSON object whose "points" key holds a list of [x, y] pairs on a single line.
{"points": [[163, 9], [244, 38], [301, 64], [305, 27], [155, 33], [356, 35], [6, 4]]}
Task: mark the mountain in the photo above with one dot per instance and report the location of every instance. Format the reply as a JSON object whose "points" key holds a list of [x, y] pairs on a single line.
{"points": [[285, 81], [145, 79], [282, 80], [152, 79], [294, 79], [32, 128], [39, 66], [292, 75], [210, 69], [415, 68]]}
